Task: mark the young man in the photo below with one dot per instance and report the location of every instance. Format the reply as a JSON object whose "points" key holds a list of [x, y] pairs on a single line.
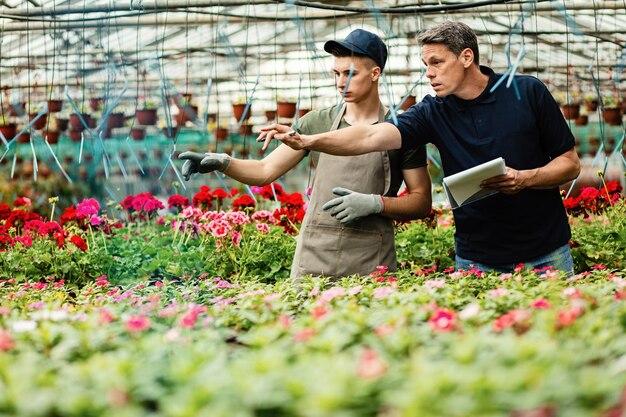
{"points": [[470, 124], [348, 226]]}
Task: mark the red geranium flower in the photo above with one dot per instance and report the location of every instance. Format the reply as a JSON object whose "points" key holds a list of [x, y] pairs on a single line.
{"points": [[177, 200], [245, 201], [79, 242]]}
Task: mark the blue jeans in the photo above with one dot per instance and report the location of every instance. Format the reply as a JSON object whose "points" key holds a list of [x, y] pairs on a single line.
{"points": [[559, 259]]}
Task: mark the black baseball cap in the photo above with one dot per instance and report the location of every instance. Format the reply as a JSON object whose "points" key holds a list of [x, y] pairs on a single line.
{"points": [[361, 42]]}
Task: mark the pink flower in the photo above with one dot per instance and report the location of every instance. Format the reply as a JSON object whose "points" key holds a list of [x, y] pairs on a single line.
{"points": [[469, 311], [384, 330], [328, 295], [263, 227], [442, 320], [355, 290], [370, 365], [38, 305], [540, 303], [519, 319], [319, 312], [382, 292], [87, 208], [304, 335], [497, 292], [285, 321], [219, 228], [236, 238], [432, 284], [137, 323], [106, 316], [6, 341]]}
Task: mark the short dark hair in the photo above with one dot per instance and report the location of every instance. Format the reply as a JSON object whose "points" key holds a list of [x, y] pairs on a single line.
{"points": [[339, 52], [456, 36]]}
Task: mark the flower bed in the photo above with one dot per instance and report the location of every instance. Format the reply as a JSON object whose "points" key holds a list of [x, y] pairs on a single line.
{"points": [[122, 311]]}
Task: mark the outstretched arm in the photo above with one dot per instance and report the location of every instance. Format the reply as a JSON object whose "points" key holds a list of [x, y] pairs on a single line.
{"points": [[417, 203], [247, 171], [266, 170], [353, 140], [558, 171]]}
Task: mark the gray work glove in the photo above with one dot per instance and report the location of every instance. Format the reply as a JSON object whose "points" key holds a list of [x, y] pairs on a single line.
{"points": [[351, 205], [203, 163]]}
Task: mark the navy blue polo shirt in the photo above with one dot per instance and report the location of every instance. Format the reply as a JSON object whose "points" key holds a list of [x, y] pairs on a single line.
{"points": [[527, 133]]}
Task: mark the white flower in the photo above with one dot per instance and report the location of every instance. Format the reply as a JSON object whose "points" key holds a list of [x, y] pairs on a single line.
{"points": [[22, 326]]}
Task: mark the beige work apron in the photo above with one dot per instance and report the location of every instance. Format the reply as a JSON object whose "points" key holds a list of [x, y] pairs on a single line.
{"points": [[325, 246]]}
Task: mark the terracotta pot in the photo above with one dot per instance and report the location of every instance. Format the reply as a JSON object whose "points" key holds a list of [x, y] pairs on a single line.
{"points": [[238, 110], [570, 111], [410, 100], [115, 120], [75, 135], [186, 114], [613, 116], [172, 134], [55, 106], [245, 129], [23, 138], [270, 115], [61, 124], [75, 122], [591, 105], [8, 131], [221, 133], [211, 117], [40, 123], [286, 109], [138, 133], [582, 120], [52, 136], [146, 117], [302, 112], [92, 122], [95, 103]]}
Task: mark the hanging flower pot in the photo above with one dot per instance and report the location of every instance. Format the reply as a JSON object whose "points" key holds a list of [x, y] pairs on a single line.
{"points": [[24, 137], [591, 104], [286, 109], [171, 132], [8, 130], [581, 120], [115, 120], [221, 133], [92, 122], [52, 136], [61, 124], [270, 115], [186, 114], [95, 103], [410, 100], [55, 106], [245, 129], [138, 133], [146, 117], [570, 111], [238, 110], [612, 116], [302, 112], [75, 135], [75, 122], [40, 123]]}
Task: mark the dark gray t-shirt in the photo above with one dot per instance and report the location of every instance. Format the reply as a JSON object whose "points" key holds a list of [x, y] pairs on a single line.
{"points": [[318, 121]]}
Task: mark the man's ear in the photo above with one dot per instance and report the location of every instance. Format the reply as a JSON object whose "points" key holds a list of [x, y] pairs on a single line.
{"points": [[376, 71], [467, 57]]}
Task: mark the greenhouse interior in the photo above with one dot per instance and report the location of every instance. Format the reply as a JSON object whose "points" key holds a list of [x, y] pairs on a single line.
{"points": [[180, 236]]}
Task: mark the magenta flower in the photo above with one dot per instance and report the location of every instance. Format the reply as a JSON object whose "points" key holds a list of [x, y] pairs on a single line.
{"points": [[137, 323]]}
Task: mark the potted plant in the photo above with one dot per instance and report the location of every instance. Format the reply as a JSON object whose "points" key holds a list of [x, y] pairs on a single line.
{"points": [[220, 132], [583, 117], [245, 129], [570, 105], [7, 128], [591, 102], [239, 106], [24, 137], [52, 136], [302, 112], [286, 108], [612, 113], [95, 103], [270, 115], [138, 132], [146, 115], [410, 100]]}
